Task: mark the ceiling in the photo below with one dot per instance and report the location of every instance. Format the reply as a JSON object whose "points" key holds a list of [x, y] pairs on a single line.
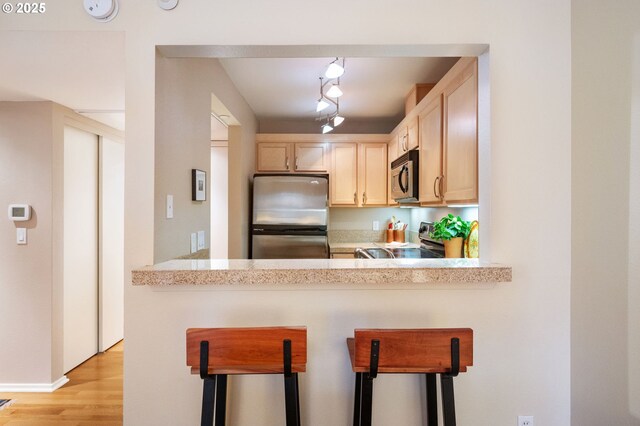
{"points": [[374, 88], [85, 71], [82, 70]]}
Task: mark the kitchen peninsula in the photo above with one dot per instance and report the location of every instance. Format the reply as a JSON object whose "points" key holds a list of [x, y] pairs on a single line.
{"points": [[309, 272]]}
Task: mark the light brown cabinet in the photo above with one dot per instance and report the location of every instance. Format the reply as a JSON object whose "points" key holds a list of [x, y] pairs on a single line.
{"points": [[448, 133], [343, 180], [273, 157], [392, 154], [292, 157], [460, 137], [408, 137], [430, 163], [358, 174], [372, 177]]}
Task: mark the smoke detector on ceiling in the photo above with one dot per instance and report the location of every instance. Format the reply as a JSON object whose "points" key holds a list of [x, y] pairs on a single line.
{"points": [[167, 4], [101, 10]]}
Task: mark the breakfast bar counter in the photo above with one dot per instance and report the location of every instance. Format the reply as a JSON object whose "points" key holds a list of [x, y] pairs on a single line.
{"points": [[321, 272]]}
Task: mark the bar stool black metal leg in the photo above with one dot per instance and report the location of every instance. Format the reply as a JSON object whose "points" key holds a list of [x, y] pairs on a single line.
{"points": [[208, 395], [357, 406], [295, 375], [367, 400], [448, 404], [291, 405], [432, 400], [221, 399]]}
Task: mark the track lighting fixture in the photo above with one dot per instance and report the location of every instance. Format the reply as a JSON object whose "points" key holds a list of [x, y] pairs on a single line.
{"points": [[333, 73], [334, 70]]}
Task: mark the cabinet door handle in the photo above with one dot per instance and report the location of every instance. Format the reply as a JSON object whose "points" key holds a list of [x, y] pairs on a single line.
{"points": [[435, 182], [364, 198], [296, 165], [355, 198], [286, 161]]}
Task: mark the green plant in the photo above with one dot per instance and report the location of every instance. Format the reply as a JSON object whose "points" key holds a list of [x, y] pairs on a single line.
{"points": [[450, 227]]}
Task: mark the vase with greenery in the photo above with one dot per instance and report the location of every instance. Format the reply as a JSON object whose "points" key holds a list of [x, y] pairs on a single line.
{"points": [[452, 230]]}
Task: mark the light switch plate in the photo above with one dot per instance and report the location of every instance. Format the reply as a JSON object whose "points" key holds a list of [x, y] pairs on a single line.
{"points": [[21, 236], [200, 240], [376, 225], [194, 243], [169, 206]]}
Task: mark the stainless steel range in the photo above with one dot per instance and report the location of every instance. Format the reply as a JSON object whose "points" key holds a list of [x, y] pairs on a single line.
{"points": [[429, 248]]}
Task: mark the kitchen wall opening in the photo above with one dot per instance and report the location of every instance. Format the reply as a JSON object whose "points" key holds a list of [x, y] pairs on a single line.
{"points": [[267, 90]]}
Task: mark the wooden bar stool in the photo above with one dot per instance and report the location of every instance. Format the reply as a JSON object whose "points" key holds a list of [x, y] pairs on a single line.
{"points": [[215, 353], [431, 351]]}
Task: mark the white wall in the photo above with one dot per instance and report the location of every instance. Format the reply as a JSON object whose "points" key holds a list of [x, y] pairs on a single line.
{"points": [[605, 332], [31, 160], [112, 242], [522, 340], [219, 202], [342, 218]]}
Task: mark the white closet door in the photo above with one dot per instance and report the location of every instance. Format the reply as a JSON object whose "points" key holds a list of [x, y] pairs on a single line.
{"points": [[80, 247]]}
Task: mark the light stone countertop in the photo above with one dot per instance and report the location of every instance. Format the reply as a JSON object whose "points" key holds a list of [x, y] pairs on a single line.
{"points": [[320, 271]]}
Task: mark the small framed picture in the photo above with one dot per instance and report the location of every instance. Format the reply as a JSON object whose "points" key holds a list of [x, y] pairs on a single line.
{"points": [[198, 185]]}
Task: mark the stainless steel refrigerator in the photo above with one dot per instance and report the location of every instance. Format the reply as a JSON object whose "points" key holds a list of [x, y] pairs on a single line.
{"points": [[290, 216]]}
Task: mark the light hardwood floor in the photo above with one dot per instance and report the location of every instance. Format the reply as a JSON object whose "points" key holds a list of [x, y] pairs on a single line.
{"points": [[93, 396]]}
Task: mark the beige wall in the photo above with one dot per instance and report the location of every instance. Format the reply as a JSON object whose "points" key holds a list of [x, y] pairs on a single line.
{"points": [[31, 171], [182, 143], [522, 361], [342, 218], [604, 272], [25, 278]]}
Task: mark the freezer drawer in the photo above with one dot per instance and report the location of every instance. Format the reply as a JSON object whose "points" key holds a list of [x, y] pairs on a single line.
{"points": [[289, 247]]}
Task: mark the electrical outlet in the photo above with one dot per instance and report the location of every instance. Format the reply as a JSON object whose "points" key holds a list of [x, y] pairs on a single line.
{"points": [[194, 243], [525, 420], [376, 225], [200, 240]]}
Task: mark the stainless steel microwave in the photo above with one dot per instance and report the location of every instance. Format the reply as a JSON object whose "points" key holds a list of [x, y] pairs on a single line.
{"points": [[404, 177]]}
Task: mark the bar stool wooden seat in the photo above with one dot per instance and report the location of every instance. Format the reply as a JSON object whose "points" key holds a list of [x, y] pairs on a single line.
{"points": [[215, 353], [444, 351]]}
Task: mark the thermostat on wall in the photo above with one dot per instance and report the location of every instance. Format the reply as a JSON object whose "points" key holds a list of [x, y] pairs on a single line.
{"points": [[19, 212]]}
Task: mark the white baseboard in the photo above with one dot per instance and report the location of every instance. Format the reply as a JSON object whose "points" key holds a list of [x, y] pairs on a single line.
{"points": [[33, 387]]}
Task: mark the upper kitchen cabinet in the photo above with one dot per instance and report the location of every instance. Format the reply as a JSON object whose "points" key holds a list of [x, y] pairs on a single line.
{"points": [[460, 136], [273, 157], [408, 136], [358, 175], [430, 164], [291, 157], [392, 154], [372, 177], [343, 180], [310, 157]]}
